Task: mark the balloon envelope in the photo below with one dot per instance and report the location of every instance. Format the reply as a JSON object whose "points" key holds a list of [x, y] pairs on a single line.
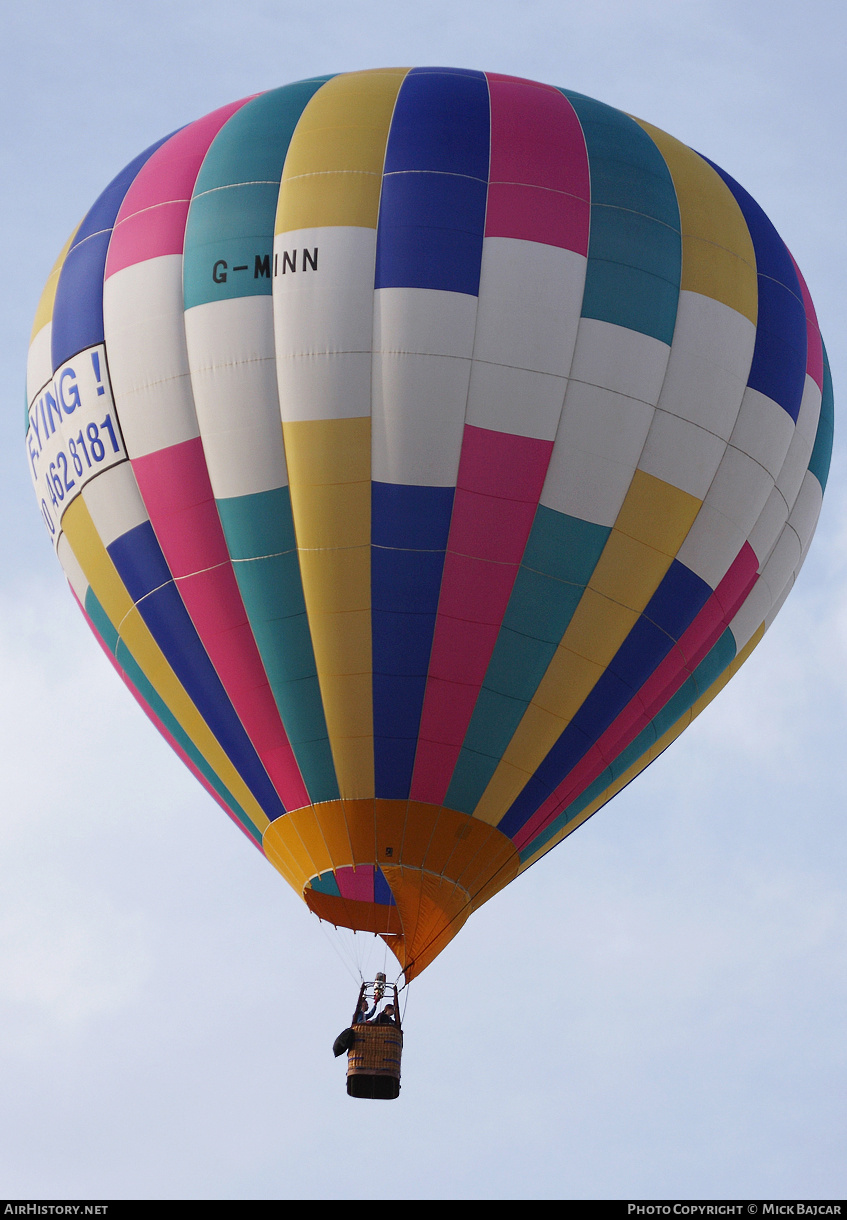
{"points": [[426, 448]]}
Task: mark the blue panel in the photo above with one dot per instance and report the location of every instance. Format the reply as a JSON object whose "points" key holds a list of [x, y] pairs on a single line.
{"points": [[410, 526], [382, 890], [435, 184], [142, 568], [642, 651], [414, 517], [78, 309], [779, 356], [822, 452], [678, 600], [441, 123]]}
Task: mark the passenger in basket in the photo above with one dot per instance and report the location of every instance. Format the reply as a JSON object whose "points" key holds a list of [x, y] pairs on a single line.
{"points": [[362, 1014], [388, 1016]]}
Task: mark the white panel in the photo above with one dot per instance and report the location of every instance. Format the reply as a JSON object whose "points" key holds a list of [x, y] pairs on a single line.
{"points": [[233, 375], [424, 320], [598, 443], [739, 489], [782, 563], [148, 361], [72, 570], [711, 545], [682, 454], [806, 510], [39, 362], [812, 498], [780, 602], [329, 386], [323, 321], [709, 363], [115, 503], [810, 410], [423, 342], [769, 526], [516, 401], [418, 418], [802, 443], [330, 307], [619, 359], [530, 298], [763, 431], [752, 614]]}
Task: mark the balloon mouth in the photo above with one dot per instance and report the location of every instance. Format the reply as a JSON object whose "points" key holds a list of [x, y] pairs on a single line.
{"points": [[418, 872]]}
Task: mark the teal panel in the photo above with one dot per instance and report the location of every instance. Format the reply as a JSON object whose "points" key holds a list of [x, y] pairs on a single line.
{"points": [[258, 524], [259, 532], [326, 884], [635, 246], [822, 451], [541, 606], [564, 547], [560, 555], [233, 209], [136, 676], [519, 662], [491, 729], [705, 675]]}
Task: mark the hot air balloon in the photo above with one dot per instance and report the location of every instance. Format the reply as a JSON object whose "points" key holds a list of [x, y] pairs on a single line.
{"points": [[426, 448]]}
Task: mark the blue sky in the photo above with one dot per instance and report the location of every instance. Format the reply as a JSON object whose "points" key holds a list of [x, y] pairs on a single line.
{"points": [[656, 1009]]}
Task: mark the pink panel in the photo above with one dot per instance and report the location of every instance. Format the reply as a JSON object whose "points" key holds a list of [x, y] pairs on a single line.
{"points": [[499, 482], [503, 464], [490, 527], [539, 182], [144, 228], [661, 686], [154, 719], [356, 884], [174, 485], [475, 590]]}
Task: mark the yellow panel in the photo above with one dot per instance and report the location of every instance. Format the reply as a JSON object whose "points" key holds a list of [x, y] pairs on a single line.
{"points": [[653, 753], [340, 512], [720, 261], [321, 451], [317, 201], [596, 631], [311, 833], [333, 823], [336, 583], [504, 786], [110, 591], [657, 513], [282, 845], [333, 170], [628, 571], [44, 308], [329, 473]]}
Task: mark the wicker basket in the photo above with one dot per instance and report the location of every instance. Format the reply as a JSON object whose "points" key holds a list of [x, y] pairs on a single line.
{"points": [[373, 1062]]}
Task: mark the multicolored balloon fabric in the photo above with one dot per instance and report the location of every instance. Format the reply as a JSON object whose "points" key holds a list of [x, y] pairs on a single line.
{"points": [[426, 448]]}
